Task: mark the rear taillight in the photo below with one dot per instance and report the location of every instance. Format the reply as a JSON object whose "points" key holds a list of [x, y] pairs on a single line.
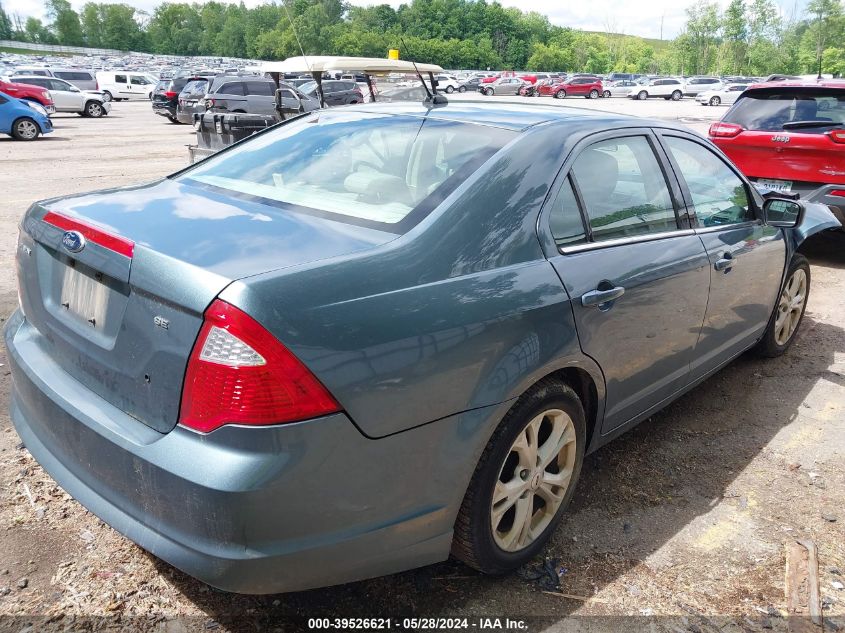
{"points": [[839, 193], [170, 94], [837, 136], [93, 234], [239, 373], [724, 130]]}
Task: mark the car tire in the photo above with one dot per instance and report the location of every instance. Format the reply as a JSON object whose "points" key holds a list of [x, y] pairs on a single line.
{"points": [[789, 311], [462, 89], [489, 92], [449, 90], [560, 94], [174, 120], [714, 101], [607, 94], [642, 95], [594, 94], [94, 109], [25, 129], [107, 96], [549, 409], [677, 95]]}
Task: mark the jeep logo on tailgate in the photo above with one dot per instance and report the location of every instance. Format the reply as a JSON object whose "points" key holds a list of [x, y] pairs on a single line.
{"points": [[780, 139], [73, 241]]}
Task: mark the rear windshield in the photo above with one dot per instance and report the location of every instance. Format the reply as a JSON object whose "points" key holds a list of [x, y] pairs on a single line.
{"points": [[195, 88], [369, 169], [768, 110]]}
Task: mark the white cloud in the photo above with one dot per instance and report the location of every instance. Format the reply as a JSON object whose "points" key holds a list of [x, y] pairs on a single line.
{"points": [[641, 17]]}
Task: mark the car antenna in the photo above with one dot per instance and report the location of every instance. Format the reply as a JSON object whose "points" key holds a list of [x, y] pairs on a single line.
{"points": [[317, 79], [433, 99]]}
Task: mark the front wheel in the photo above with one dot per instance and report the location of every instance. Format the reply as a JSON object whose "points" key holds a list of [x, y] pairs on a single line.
{"points": [[714, 101], [25, 129], [449, 90], [524, 480], [462, 89], [489, 92], [594, 94], [676, 96], [789, 312], [607, 94], [643, 95], [560, 94], [94, 109]]}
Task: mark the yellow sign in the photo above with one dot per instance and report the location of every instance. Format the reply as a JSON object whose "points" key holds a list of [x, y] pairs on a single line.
{"points": [[393, 53]]}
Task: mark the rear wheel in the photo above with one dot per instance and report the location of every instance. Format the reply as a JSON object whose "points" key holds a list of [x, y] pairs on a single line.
{"points": [[25, 129], [524, 480], [643, 95], [107, 96], [462, 89], [449, 89], [789, 312], [560, 94], [94, 109], [714, 101], [676, 95], [594, 94]]}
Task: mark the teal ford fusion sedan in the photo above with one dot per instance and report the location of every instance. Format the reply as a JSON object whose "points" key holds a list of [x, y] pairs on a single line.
{"points": [[368, 338]]}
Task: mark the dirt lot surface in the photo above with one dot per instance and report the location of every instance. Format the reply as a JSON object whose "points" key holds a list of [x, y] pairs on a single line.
{"points": [[686, 517]]}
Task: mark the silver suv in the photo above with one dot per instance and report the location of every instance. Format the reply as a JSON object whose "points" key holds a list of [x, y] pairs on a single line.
{"points": [[69, 98]]}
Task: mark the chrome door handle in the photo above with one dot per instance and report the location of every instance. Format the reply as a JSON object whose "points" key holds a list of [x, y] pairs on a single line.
{"points": [[725, 263], [600, 297]]}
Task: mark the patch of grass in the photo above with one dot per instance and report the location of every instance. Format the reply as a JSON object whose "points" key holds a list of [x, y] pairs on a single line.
{"points": [[27, 51]]}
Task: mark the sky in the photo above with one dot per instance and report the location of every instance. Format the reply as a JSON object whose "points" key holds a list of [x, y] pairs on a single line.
{"points": [[641, 18]]}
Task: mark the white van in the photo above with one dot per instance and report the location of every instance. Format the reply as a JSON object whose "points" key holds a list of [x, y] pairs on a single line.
{"points": [[122, 84]]}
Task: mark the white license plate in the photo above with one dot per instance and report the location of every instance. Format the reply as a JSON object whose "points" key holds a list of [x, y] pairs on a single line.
{"points": [[191, 103], [84, 298], [776, 185]]}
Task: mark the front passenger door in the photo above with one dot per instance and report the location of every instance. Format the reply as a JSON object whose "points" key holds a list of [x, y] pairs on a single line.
{"points": [[636, 275], [747, 258]]}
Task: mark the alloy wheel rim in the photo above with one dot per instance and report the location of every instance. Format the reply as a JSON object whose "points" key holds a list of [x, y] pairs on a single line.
{"points": [[533, 480], [27, 129], [791, 306], [94, 110]]}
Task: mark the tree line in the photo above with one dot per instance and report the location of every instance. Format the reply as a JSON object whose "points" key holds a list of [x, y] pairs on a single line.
{"points": [[750, 37]]}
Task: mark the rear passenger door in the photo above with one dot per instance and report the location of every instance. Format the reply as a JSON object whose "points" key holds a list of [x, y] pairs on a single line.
{"points": [[260, 97], [746, 257], [636, 273]]}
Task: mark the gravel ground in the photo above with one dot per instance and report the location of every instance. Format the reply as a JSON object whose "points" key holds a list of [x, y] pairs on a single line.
{"points": [[686, 517]]}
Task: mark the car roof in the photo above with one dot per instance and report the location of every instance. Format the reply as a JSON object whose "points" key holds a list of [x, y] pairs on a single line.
{"points": [[803, 83], [509, 115]]}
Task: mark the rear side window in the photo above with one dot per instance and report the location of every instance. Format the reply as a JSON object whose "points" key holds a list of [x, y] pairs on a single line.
{"points": [[232, 88], [362, 168], [194, 88], [74, 75], [120, 79], [768, 110], [42, 82], [259, 88], [718, 195], [565, 218], [623, 188]]}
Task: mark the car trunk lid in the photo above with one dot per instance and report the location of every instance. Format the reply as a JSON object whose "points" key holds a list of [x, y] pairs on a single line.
{"points": [[117, 282]]}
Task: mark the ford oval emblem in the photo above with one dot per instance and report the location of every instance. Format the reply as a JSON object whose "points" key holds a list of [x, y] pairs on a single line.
{"points": [[73, 241]]}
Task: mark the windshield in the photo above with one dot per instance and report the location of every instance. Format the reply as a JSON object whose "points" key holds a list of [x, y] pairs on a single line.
{"points": [[769, 110], [363, 168]]}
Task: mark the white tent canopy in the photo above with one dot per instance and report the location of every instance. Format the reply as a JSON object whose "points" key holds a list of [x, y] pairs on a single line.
{"points": [[323, 63]]}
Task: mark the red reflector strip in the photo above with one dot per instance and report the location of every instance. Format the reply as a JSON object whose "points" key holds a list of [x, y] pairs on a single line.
{"points": [[840, 193], [119, 245]]}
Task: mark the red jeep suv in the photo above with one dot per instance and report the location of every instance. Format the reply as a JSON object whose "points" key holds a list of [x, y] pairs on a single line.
{"points": [[589, 87], [790, 137]]}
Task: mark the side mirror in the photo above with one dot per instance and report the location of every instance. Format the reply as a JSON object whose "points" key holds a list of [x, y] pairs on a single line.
{"points": [[782, 213]]}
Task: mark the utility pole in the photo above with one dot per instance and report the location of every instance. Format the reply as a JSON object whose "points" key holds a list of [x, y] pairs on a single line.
{"points": [[661, 25]]}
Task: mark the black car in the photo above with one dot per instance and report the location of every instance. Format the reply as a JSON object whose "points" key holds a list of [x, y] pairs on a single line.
{"points": [[470, 85], [166, 97], [336, 92], [192, 99]]}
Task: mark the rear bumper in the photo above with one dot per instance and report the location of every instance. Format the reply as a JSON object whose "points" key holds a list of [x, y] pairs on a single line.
{"points": [[164, 109], [249, 510]]}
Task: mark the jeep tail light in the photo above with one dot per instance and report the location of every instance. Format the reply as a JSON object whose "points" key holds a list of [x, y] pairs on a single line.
{"points": [[724, 130], [170, 94], [239, 373], [837, 136]]}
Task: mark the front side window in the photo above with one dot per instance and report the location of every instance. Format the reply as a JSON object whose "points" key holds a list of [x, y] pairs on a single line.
{"points": [[362, 168], [137, 80], [263, 88], [624, 189], [718, 194]]}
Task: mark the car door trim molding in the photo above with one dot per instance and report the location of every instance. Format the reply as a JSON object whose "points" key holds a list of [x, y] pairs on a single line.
{"points": [[624, 241]]}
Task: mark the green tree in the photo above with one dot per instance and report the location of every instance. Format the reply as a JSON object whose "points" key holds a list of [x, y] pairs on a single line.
{"points": [[735, 35], [65, 23], [5, 24], [703, 25], [35, 31], [824, 14]]}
